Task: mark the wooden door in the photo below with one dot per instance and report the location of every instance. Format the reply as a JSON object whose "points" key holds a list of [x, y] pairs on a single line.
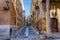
{"points": [[54, 25]]}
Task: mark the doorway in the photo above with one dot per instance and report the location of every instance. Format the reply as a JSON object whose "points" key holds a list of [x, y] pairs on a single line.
{"points": [[54, 25]]}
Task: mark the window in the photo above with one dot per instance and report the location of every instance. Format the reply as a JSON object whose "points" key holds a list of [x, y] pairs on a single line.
{"points": [[53, 12], [33, 13]]}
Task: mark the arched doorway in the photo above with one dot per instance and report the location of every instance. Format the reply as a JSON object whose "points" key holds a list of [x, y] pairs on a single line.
{"points": [[54, 25]]}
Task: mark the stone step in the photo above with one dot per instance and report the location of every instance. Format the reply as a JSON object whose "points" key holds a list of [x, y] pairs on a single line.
{"points": [[29, 31]]}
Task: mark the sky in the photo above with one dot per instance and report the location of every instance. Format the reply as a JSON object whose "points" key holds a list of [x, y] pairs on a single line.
{"points": [[27, 5]]}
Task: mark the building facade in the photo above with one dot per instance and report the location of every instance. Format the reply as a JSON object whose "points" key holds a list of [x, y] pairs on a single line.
{"points": [[34, 13], [20, 12], [5, 11], [46, 15], [12, 13]]}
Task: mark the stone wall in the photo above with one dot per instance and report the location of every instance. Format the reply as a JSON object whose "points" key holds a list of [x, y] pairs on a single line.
{"points": [[7, 17], [4, 15]]}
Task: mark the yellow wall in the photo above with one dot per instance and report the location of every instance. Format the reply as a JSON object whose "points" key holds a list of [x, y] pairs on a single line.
{"points": [[58, 12], [58, 15]]}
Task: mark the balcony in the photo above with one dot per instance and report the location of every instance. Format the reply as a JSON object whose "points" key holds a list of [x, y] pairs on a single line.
{"points": [[6, 8], [36, 7], [51, 0]]}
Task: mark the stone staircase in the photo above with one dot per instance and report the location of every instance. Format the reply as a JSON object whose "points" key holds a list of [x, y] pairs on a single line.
{"points": [[32, 34], [27, 31], [36, 37]]}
